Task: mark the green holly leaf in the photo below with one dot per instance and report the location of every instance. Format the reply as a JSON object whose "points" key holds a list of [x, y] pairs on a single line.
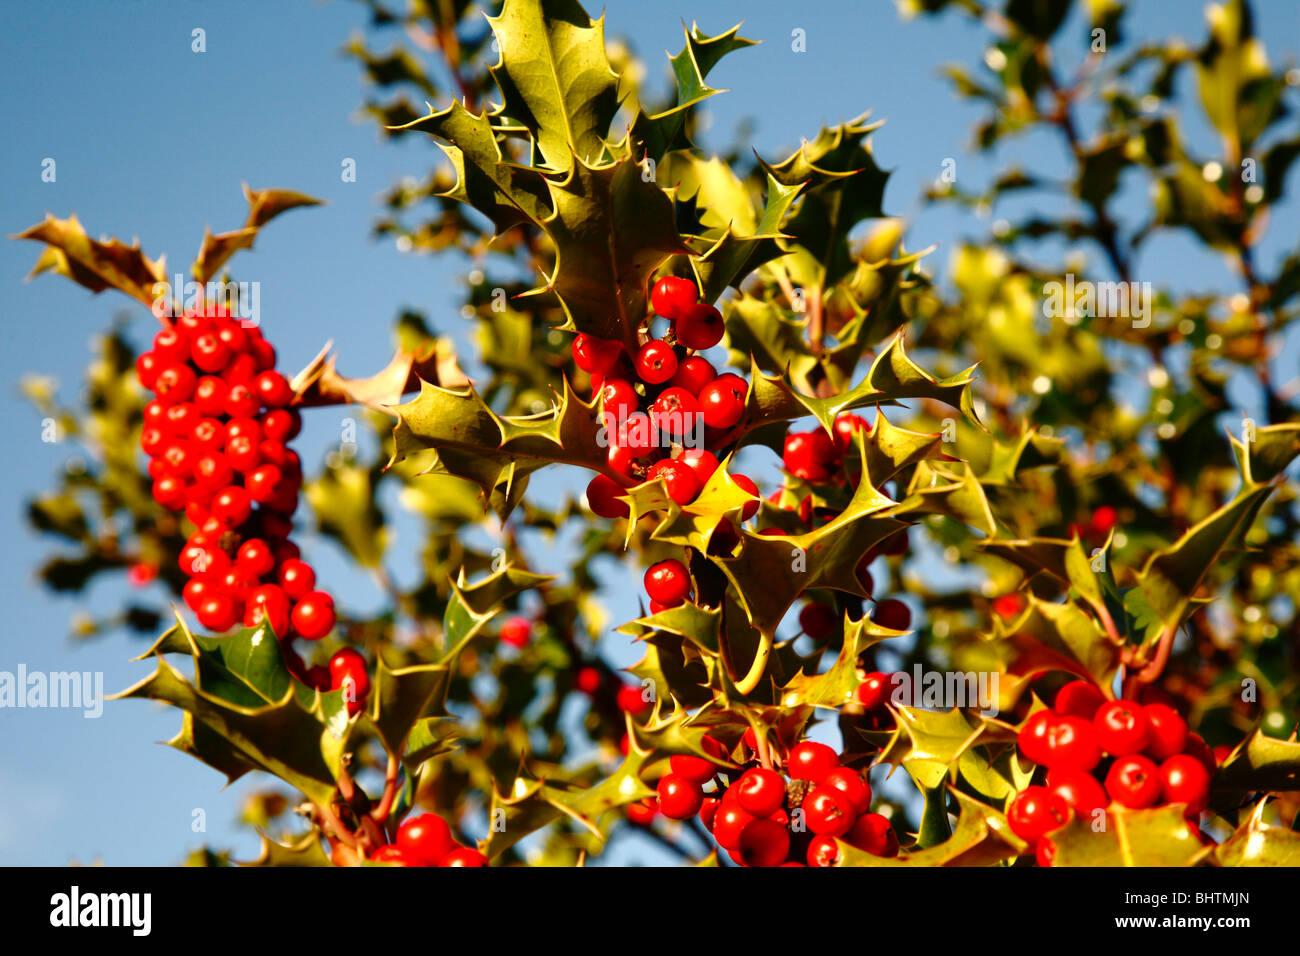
{"points": [[507, 193], [1261, 763], [496, 452], [981, 837], [533, 804], [1256, 843], [1172, 575], [95, 264], [244, 711], [263, 206], [1268, 455], [665, 131], [738, 251], [612, 230], [928, 744], [555, 77], [403, 698], [838, 685], [893, 377], [845, 186], [771, 572], [305, 851], [1156, 837]]}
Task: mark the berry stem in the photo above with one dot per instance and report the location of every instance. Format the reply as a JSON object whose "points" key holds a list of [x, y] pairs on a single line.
{"points": [[381, 812]]}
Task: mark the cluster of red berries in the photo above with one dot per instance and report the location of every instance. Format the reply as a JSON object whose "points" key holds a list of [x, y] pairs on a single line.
{"points": [[663, 398], [217, 433], [765, 818], [1098, 752], [427, 840]]}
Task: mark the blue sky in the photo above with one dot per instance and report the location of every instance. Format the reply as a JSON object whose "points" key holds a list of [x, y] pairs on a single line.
{"points": [[153, 141]]}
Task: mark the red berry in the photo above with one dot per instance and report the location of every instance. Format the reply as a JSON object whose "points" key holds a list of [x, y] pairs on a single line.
{"points": [[147, 366], [233, 336], [631, 699], [852, 785], [1007, 606], [873, 692], [643, 814], [1122, 727], [692, 767], [828, 811], [347, 672], [1079, 699], [263, 483], [1168, 731], [618, 398], [693, 374], [760, 791], [675, 412], [747, 484], [242, 370], [273, 389], [217, 613], [241, 402], [463, 856], [846, 426], [1134, 782], [656, 362], [393, 856], [1032, 739], [181, 418], [254, 556], [699, 327], [672, 296], [678, 479], [893, 614], [871, 832], [763, 843], [735, 383], [1035, 812], [195, 591], [810, 760], [231, 506], [281, 424], [296, 578], [679, 797], [175, 384], [588, 681], [602, 497], [1184, 779], [1079, 789], [1103, 520], [822, 851], [210, 353], [728, 822], [516, 631], [799, 460], [720, 405], [313, 615], [426, 838], [270, 604], [1072, 745], [818, 621], [597, 356], [703, 463], [668, 582]]}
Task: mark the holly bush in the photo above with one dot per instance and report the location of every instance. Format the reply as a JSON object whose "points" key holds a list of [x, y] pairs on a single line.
{"points": [[1024, 547]]}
